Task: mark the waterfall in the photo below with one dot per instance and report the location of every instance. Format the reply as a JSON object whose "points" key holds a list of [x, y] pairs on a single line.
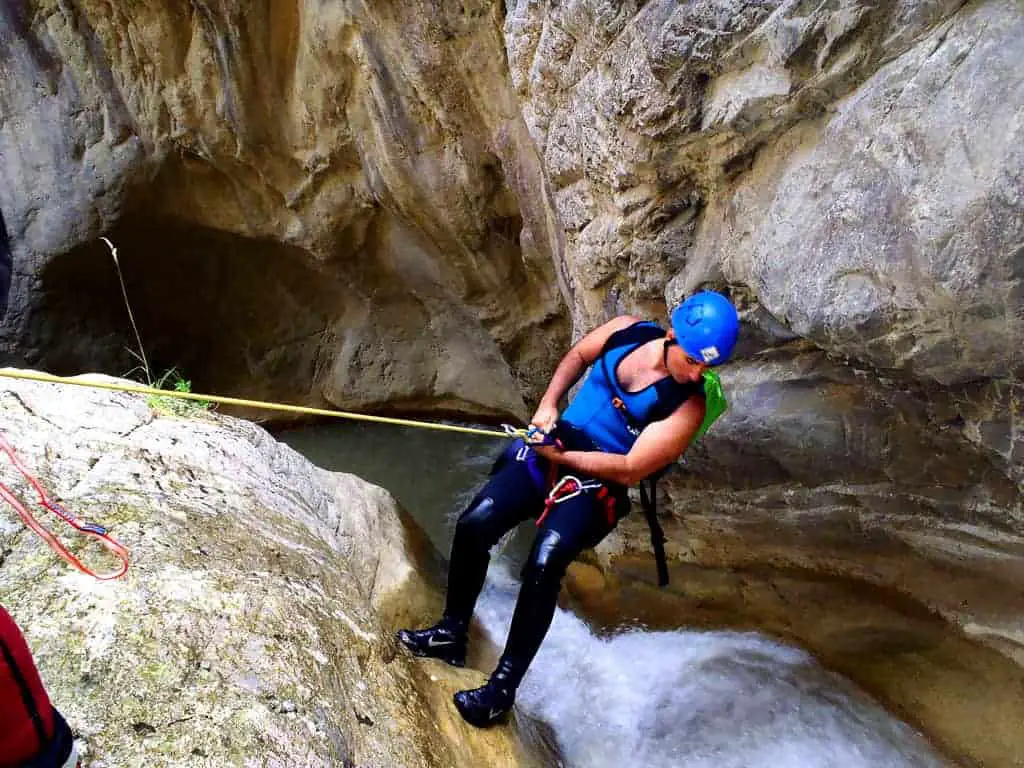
{"points": [[696, 699]]}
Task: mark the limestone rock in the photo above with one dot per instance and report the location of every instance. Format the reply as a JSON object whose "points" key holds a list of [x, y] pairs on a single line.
{"points": [[481, 746], [850, 173], [800, 419], [879, 524], [890, 231], [255, 622], [856, 166], [279, 183]]}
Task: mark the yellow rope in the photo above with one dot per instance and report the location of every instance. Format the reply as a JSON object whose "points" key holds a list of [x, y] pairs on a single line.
{"points": [[143, 390]]}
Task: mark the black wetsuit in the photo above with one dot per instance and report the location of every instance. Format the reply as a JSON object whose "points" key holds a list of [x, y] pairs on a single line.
{"points": [[511, 496]]}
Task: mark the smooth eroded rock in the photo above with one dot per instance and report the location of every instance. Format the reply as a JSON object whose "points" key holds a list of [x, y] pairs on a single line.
{"points": [[256, 621]]}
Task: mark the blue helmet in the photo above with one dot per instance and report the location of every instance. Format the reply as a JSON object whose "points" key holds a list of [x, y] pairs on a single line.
{"points": [[706, 326]]}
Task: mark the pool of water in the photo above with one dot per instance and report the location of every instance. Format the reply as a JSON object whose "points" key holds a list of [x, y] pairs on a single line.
{"points": [[432, 474]]}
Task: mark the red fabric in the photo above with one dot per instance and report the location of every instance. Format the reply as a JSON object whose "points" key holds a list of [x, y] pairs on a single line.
{"points": [[19, 740]]}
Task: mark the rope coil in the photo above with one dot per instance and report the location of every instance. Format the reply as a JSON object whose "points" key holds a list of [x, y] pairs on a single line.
{"points": [[93, 530]]}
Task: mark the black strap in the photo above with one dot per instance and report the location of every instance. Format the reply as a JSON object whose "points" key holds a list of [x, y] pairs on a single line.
{"points": [[636, 334], [26, 694], [5, 265], [649, 501], [671, 394]]}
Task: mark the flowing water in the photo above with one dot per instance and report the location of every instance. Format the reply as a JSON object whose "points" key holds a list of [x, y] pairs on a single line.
{"points": [[644, 699]]}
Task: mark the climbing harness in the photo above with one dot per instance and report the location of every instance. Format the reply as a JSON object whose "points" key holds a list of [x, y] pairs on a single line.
{"points": [[98, 532], [569, 487]]}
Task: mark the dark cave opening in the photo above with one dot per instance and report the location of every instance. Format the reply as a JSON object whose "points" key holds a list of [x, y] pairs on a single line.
{"points": [[234, 315]]}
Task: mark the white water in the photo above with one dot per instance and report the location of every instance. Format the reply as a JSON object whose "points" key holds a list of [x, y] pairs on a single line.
{"points": [[696, 700], [639, 699]]}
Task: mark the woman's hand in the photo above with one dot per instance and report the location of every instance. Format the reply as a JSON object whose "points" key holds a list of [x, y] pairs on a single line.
{"points": [[545, 417]]}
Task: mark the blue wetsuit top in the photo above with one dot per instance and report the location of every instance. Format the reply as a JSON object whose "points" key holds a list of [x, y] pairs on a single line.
{"points": [[607, 414]]}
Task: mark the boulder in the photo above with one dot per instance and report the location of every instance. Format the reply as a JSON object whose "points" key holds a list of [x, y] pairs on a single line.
{"points": [[256, 620]]}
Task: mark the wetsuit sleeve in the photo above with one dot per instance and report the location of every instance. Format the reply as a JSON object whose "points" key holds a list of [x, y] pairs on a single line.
{"points": [[5, 265], [26, 716]]}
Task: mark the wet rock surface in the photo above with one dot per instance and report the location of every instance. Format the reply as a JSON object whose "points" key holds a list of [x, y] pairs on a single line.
{"points": [[416, 206]]}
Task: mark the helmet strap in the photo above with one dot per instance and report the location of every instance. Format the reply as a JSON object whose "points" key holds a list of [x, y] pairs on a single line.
{"points": [[664, 354]]}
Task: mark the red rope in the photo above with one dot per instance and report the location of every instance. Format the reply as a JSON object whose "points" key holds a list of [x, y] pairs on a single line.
{"points": [[88, 529]]}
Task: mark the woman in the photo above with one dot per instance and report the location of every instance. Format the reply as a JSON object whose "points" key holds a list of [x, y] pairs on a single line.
{"points": [[635, 415]]}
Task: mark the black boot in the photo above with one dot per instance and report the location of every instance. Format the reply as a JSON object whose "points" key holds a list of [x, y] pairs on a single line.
{"points": [[446, 641], [492, 702]]}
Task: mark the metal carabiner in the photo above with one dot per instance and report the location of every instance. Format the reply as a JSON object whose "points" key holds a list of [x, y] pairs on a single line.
{"points": [[522, 434], [580, 488], [514, 431], [529, 434]]}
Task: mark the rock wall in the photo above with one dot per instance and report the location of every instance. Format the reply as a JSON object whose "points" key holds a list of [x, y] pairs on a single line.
{"points": [[256, 620], [851, 172], [375, 204], [409, 205], [855, 165], [326, 203]]}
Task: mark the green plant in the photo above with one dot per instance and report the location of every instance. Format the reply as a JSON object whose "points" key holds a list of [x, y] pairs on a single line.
{"points": [[141, 354], [171, 405]]}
